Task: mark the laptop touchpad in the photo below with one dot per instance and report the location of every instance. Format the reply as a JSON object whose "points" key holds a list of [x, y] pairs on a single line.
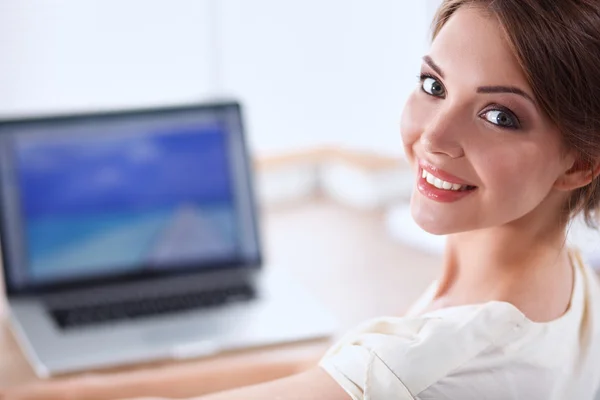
{"points": [[182, 331]]}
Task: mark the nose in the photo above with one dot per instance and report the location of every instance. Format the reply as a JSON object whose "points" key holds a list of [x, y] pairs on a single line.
{"points": [[442, 136]]}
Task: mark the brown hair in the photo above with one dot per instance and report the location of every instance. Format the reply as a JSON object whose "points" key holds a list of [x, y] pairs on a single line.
{"points": [[557, 43]]}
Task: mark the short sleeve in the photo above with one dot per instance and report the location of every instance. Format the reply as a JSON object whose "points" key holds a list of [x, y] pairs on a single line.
{"points": [[398, 358]]}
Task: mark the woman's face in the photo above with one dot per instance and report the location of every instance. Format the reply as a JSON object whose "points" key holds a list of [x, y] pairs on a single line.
{"points": [[484, 153]]}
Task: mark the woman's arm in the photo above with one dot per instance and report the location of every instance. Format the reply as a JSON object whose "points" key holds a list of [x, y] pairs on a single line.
{"points": [[314, 384], [171, 381]]}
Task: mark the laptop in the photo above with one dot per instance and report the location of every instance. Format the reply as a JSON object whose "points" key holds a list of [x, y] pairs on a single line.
{"points": [[133, 236]]}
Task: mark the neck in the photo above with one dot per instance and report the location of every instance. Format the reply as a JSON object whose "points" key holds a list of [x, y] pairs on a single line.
{"points": [[508, 263]]}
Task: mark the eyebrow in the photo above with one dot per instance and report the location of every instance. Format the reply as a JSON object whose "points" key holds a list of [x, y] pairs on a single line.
{"points": [[505, 89], [429, 61], [483, 89]]}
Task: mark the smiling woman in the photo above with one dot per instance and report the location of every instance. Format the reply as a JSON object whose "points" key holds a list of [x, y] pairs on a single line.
{"points": [[503, 132]]}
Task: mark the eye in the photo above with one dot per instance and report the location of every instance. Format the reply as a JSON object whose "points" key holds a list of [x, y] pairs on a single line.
{"points": [[501, 118], [432, 86]]}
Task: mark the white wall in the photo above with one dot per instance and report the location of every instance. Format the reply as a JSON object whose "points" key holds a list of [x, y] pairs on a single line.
{"points": [[82, 54], [310, 72], [314, 70]]}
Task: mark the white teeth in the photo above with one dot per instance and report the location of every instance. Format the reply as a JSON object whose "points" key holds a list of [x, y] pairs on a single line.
{"points": [[430, 179], [440, 184]]}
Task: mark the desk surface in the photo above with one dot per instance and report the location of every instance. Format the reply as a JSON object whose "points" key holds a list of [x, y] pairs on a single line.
{"points": [[343, 256]]}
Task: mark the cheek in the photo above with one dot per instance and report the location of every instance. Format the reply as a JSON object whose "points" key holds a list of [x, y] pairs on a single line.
{"points": [[517, 174]]}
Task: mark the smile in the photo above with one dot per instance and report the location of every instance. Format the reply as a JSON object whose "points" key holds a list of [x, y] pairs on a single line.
{"points": [[441, 186]]}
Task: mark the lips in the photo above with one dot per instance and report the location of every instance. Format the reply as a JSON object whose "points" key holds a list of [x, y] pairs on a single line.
{"points": [[440, 185], [442, 175]]}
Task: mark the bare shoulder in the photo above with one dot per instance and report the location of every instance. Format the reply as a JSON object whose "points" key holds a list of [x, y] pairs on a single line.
{"points": [[313, 384]]}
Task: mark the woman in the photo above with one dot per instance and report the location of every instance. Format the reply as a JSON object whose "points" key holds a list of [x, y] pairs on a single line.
{"points": [[503, 131]]}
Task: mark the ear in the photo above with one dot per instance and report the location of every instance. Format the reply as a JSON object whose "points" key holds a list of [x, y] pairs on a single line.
{"points": [[580, 174]]}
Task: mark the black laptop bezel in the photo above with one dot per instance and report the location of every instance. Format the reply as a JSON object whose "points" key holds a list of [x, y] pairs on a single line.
{"points": [[246, 267]]}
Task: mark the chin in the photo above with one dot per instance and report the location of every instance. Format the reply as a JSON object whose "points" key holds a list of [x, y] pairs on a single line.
{"points": [[436, 223], [432, 226]]}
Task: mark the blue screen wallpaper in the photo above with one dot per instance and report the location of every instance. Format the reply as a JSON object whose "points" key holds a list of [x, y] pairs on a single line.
{"points": [[99, 205]]}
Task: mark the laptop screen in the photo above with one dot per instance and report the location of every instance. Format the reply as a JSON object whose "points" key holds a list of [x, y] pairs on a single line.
{"points": [[127, 194]]}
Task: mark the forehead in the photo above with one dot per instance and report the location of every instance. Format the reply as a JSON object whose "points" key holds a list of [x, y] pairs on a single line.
{"points": [[472, 47]]}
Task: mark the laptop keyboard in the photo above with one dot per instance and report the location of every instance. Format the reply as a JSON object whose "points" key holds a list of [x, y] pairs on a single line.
{"points": [[77, 316]]}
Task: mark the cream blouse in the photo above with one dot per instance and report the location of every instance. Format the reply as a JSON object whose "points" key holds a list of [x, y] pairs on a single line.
{"points": [[486, 351]]}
